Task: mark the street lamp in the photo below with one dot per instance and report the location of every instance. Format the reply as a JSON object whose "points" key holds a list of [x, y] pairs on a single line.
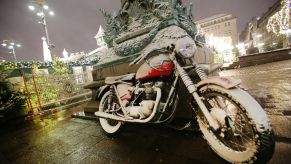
{"points": [[41, 10], [10, 45]]}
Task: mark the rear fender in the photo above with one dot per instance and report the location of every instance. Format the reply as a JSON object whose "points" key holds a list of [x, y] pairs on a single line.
{"points": [[225, 82], [101, 91]]}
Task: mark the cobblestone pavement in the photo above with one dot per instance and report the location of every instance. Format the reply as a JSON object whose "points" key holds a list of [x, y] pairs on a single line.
{"points": [[62, 139]]}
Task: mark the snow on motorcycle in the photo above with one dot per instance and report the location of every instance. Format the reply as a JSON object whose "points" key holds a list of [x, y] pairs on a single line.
{"points": [[234, 125]]}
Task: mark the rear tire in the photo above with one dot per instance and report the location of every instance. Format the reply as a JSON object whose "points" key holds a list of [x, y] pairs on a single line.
{"points": [[250, 138], [110, 127]]}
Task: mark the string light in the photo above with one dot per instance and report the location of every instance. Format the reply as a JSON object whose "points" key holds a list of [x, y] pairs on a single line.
{"points": [[7, 65], [279, 23]]}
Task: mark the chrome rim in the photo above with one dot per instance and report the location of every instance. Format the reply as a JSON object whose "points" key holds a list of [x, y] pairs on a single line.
{"points": [[110, 106], [237, 133]]}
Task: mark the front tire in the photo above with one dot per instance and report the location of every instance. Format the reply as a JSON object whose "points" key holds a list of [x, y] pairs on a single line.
{"points": [[247, 137], [109, 104]]}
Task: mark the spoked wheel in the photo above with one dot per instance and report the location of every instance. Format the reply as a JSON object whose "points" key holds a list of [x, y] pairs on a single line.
{"points": [[109, 104], [244, 135]]}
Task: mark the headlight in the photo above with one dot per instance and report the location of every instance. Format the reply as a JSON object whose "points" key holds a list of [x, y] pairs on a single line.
{"points": [[186, 47]]}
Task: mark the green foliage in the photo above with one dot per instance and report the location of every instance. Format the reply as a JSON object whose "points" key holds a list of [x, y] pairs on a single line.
{"points": [[49, 86], [42, 80], [6, 66], [11, 101], [279, 44], [60, 68]]}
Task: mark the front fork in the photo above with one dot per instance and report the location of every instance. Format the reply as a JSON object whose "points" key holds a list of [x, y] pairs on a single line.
{"points": [[193, 90]]}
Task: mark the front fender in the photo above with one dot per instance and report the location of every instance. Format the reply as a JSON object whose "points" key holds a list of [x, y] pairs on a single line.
{"points": [[101, 91], [225, 82]]}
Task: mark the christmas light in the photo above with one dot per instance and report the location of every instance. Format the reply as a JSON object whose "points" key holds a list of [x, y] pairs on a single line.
{"points": [[279, 23]]}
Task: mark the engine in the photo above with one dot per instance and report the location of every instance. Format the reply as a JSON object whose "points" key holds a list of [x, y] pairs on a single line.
{"points": [[139, 101]]}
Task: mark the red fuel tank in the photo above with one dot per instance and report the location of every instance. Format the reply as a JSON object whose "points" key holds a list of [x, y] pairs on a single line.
{"points": [[156, 66]]}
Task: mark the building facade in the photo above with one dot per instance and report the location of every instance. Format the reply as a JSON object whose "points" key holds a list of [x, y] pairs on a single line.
{"points": [[255, 36], [221, 25], [220, 32]]}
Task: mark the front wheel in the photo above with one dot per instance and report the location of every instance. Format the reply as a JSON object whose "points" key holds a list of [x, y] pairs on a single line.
{"points": [[245, 135], [109, 104]]}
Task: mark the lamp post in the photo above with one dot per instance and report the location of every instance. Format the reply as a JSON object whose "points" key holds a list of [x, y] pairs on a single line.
{"points": [[41, 10], [10, 45]]}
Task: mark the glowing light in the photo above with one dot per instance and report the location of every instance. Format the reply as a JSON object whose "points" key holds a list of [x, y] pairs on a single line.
{"points": [[279, 23], [18, 45], [259, 35], [45, 7], [222, 45], [12, 43], [40, 14], [51, 13], [261, 44], [4, 44], [241, 48], [240, 45], [31, 7], [10, 47]]}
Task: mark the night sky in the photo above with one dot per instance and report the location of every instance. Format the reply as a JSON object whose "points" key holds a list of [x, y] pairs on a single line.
{"points": [[77, 21]]}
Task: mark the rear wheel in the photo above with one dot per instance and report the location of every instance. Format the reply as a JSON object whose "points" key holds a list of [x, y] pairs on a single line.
{"points": [[109, 104], [245, 135]]}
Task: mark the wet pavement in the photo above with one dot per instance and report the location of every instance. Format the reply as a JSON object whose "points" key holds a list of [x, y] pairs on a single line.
{"points": [[270, 85], [72, 140], [61, 139]]}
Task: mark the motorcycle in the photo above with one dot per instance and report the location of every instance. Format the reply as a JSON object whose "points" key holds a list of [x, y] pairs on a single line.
{"points": [[234, 125]]}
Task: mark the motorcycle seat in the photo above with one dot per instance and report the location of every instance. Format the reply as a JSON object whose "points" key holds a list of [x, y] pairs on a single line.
{"points": [[210, 68], [120, 79]]}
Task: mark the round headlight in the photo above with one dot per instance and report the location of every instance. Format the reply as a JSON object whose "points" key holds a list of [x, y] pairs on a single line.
{"points": [[186, 47]]}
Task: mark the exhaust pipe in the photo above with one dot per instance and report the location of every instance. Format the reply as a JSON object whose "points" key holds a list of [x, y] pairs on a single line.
{"points": [[109, 116]]}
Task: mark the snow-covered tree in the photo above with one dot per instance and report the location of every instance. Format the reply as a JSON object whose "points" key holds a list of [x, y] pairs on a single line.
{"points": [[279, 23]]}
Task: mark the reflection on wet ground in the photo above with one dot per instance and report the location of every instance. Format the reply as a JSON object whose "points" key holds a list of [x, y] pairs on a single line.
{"points": [[58, 138], [81, 141], [269, 83]]}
